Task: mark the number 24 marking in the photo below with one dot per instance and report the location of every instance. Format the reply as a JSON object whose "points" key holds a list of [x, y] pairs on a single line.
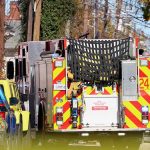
{"points": [[144, 83]]}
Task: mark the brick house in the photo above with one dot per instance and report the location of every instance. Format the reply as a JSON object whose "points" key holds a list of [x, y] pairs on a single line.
{"points": [[12, 31]]}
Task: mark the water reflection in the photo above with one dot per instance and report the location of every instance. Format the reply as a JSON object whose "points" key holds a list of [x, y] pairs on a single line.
{"points": [[85, 143], [145, 144], [76, 141]]}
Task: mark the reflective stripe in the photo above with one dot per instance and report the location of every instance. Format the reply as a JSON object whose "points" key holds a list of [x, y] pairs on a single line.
{"points": [[133, 109], [92, 91]]}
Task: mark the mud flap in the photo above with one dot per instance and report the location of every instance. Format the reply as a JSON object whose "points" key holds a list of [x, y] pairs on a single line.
{"points": [[25, 120], [17, 114]]}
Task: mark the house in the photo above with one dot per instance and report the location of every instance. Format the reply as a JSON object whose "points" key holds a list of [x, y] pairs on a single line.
{"points": [[12, 31]]}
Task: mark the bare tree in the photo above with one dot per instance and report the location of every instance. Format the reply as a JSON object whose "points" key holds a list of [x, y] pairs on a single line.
{"points": [[85, 26], [96, 18], [118, 13], [2, 14], [105, 19]]}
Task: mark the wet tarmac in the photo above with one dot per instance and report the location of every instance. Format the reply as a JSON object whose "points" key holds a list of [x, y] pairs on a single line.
{"points": [[76, 141]]}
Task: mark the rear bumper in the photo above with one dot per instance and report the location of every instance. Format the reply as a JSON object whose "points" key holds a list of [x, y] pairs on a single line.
{"points": [[101, 130]]}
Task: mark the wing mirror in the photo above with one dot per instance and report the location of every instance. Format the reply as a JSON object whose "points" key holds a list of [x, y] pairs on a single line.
{"points": [[10, 70]]}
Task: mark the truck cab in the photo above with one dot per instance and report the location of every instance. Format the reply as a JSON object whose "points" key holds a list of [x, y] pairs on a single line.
{"points": [[10, 104]]}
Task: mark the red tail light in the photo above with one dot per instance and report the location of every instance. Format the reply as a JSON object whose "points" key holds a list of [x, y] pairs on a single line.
{"points": [[2, 111]]}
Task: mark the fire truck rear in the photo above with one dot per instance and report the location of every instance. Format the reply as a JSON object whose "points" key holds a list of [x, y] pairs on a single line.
{"points": [[90, 85]]}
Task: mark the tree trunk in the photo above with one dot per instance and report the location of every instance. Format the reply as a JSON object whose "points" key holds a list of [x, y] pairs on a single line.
{"points": [[96, 7], [118, 12], [105, 19], [85, 27], [2, 15]]}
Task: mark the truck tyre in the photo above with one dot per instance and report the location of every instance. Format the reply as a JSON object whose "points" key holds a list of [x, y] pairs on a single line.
{"points": [[28, 132], [41, 117], [19, 128]]}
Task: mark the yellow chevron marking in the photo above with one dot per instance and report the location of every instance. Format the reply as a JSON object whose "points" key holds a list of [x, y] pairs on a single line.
{"points": [[129, 123], [109, 90], [66, 115], [70, 126], [79, 96], [58, 70], [142, 101], [146, 70], [148, 125], [92, 89], [55, 126], [63, 81], [88, 90], [58, 104], [132, 109], [148, 59], [55, 93]]}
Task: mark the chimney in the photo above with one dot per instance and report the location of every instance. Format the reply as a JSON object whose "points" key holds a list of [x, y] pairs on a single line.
{"points": [[14, 11]]}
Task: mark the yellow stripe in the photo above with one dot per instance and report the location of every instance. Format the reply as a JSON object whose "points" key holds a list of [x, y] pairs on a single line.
{"points": [[70, 126], [63, 81], [148, 125], [55, 126], [88, 90], [109, 90], [142, 101], [129, 123], [66, 115], [55, 93], [146, 70], [132, 109], [56, 72], [58, 104]]}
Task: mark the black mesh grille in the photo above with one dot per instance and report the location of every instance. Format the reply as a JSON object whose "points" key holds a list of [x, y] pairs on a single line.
{"points": [[97, 61]]}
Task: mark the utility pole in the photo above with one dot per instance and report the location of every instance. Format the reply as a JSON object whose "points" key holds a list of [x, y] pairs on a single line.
{"points": [[30, 21], [85, 27], [2, 17], [37, 20], [96, 20]]}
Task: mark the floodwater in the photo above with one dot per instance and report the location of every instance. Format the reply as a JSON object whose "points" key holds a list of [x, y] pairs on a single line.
{"points": [[77, 141]]}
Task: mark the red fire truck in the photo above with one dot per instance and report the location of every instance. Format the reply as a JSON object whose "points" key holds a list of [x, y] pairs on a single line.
{"points": [[85, 84]]}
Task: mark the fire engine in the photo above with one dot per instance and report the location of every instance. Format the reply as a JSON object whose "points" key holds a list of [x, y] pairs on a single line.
{"points": [[85, 84]]}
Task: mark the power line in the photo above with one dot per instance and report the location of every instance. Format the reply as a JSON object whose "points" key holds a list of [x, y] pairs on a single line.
{"points": [[132, 4], [131, 15], [137, 18]]}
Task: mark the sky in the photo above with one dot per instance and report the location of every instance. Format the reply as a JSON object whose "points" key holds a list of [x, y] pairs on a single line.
{"points": [[133, 12], [136, 20], [7, 6]]}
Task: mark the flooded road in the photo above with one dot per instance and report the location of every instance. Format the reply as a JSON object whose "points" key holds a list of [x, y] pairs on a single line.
{"points": [[76, 141]]}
